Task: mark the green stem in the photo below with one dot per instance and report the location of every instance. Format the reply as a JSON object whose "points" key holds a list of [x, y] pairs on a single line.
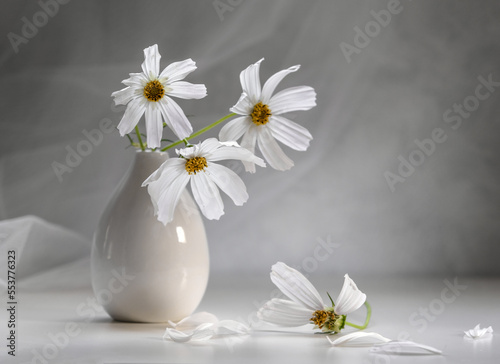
{"points": [[199, 132], [139, 138], [367, 320]]}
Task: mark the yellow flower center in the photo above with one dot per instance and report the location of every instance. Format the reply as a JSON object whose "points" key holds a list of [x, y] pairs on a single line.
{"points": [[319, 317], [154, 90], [195, 164], [260, 114]]}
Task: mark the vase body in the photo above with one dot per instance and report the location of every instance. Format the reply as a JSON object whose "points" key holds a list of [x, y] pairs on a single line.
{"points": [[143, 271]]}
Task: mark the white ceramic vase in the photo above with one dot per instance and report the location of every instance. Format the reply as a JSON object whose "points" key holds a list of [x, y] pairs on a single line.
{"points": [[143, 271]]}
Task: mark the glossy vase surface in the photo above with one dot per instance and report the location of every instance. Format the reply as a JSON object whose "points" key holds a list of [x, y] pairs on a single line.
{"points": [[143, 271]]}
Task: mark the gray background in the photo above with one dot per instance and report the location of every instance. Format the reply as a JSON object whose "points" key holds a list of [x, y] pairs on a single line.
{"points": [[443, 219]]}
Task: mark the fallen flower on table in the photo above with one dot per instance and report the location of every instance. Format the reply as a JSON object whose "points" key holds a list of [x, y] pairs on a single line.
{"points": [[306, 306], [405, 348], [203, 326], [477, 332]]}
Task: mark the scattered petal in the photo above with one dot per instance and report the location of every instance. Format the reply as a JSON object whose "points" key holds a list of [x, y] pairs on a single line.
{"points": [[477, 332], [193, 321], [358, 338], [404, 347], [203, 326]]}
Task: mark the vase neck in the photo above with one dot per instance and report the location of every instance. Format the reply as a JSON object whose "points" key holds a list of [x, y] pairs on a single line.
{"points": [[147, 162]]}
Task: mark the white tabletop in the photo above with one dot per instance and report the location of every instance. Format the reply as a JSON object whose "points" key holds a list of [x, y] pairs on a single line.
{"points": [[425, 310]]}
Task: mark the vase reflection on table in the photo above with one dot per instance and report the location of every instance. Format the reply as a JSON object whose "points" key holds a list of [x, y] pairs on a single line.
{"points": [[142, 270]]}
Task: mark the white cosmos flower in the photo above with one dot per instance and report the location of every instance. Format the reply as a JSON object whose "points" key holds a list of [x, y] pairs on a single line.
{"points": [[305, 305], [196, 165], [261, 121], [149, 92]]}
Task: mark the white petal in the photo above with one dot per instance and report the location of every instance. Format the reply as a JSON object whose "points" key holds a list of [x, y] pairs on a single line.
{"points": [[124, 96], [285, 313], [271, 151], [166, 190], [187, 90], [231, 327], [175, 164], [250, 81], [175, 118], [234, 129], [151, 64], [131, 116], [207, 196], [207, 147], [358, 338], [201, 333], [350, 297], [273, 81], [229, 182], [248, 142], [154, 125], [244, 106], [235, 152], [136, 80], [293, 99], [289, 133], [404, 347], [177, 71], [477, 332], [296, 287], [193, 321]]}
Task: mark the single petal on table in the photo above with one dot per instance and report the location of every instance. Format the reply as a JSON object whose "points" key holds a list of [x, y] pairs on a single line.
{"points": [[193, 321], [201, 333], [359, 338], [296, 287], [477, 332], [350, 297], [405, 348]]}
